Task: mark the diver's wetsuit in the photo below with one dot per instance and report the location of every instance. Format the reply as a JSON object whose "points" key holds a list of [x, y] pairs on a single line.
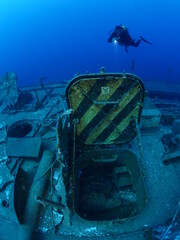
{"points": [[123, 38]]}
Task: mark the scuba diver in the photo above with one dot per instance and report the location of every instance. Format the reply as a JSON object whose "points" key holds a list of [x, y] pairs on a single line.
{"points": [[121, 35]]}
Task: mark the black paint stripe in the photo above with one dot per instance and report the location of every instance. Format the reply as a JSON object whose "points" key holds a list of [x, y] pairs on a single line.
{"points": [[105, 110], [127, 134], [86, 102], [118, 119]]}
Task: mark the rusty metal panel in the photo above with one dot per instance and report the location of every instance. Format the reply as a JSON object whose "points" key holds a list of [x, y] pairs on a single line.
{"points": [[106, 106]]}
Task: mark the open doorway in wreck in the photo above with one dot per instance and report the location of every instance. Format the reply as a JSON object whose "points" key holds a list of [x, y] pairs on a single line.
{"points": [[108, 185], [104, 174]]}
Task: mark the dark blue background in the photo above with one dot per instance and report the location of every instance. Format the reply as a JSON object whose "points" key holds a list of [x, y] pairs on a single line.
{"points": [[58, 38]]}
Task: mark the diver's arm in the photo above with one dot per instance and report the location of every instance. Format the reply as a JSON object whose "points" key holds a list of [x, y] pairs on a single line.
{"points": [[113, 35]]}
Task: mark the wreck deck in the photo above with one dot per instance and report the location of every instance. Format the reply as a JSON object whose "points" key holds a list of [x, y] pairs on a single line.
{"points": [[38, 117]]}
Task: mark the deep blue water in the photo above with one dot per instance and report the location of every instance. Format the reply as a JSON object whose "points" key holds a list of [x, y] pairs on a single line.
{"points": [[58, 38]]}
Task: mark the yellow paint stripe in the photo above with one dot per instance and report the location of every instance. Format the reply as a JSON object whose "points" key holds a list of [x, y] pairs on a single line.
{"points": [[94, 109], [76, 95], [122, 126], [123, 103]]}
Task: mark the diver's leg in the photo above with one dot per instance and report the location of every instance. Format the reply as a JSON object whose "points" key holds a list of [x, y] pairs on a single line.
{"points": [[145, 40], [135, 43]]}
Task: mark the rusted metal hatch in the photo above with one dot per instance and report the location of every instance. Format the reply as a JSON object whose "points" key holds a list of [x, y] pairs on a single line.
{"points": [[106, 107]]}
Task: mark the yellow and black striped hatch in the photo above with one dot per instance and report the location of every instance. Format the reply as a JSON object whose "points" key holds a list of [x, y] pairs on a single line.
{"points": [[105, 107]]}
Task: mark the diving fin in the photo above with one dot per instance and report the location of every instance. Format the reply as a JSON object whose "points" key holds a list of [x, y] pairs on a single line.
{"points": [[144, 40]]}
